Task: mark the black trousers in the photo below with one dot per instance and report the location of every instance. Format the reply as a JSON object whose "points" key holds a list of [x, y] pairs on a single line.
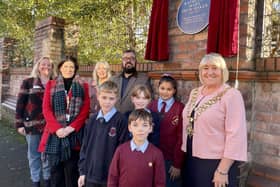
{"points": [[66, 173], [199, 172]]}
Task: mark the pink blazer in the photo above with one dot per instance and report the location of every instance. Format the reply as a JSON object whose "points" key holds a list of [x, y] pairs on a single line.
{"points": [[220, 130]]}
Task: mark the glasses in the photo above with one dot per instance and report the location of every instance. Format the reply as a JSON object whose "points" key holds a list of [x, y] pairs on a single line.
{"points": [[128, 58]]}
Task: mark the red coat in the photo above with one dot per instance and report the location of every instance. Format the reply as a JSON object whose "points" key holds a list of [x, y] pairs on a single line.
{"points": [[52, 125]]}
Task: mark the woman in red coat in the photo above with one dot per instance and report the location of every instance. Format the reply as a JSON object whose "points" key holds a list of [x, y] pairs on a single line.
{"points": [[65, 107]]}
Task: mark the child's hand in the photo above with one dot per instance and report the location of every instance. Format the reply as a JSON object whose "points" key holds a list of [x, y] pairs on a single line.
{"points": [[174, 173], [81, 181]]}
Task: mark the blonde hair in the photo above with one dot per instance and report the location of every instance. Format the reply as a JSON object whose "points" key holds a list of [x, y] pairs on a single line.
{"points": [[108, 87], [217, 60], [97, 65], [141, 88], [35, 70]]}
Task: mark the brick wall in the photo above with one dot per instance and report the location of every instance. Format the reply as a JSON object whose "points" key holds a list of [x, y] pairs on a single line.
{"points": [[184, 48], [266, 129], [265, 135], [49, 40], [258, 83], [16, 77], [6, 54]]}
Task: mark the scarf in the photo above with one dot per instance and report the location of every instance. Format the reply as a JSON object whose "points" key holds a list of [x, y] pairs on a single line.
{"points": [[59, 149]]}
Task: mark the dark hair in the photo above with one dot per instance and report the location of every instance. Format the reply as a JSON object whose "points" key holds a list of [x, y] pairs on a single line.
{"points": [[170, 79], [130, 51], [71, 59], [140, 114]]}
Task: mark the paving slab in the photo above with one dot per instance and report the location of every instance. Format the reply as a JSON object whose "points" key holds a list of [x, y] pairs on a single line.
{"points": [[14, 171]]}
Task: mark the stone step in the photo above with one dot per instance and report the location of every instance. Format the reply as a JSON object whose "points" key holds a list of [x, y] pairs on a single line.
{"points": [[262, 176], [258, 181], [11, 100], [9, 106], [10, 103]]}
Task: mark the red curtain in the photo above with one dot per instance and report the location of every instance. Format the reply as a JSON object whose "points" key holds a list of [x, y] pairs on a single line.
{"points": [[157, 43], [223, 27]]}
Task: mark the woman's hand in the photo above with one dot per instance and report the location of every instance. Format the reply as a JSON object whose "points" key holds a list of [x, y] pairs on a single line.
{"points": [[81, 181], [68, 130], [221, 174], [21, 131], [64, 132], [220, 180], [60, 133], [174, 173]]}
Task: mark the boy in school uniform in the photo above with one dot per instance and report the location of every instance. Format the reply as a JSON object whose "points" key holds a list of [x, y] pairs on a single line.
{"points": [[104, 132], [137, 163]]}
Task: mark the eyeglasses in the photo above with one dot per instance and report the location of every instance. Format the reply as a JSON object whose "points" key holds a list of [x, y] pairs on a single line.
{"points": [[128, 58]]}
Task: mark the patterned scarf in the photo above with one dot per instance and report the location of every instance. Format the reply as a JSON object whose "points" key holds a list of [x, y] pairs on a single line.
{"points": [[59, 149]]}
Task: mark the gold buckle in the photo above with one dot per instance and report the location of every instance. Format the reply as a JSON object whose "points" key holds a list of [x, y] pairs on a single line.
{"points": [[191, 120], [189, 131]]}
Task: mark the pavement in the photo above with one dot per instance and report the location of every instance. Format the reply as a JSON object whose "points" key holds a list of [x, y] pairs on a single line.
{"points": [[14, 170]]}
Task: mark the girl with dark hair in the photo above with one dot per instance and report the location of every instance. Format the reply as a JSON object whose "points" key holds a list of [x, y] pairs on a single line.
{"points": [[170, 141], [65, 107]]}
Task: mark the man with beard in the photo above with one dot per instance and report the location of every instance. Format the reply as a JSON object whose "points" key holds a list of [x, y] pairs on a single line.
{"points": [[127, 79]]}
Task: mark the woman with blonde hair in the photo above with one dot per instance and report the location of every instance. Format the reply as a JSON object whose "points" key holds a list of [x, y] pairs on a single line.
{"points": [[214, 128], [30, 121], [100, 74]]}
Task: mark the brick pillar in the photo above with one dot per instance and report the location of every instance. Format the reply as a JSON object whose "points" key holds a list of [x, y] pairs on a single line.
{"points": [[6, 57], [49, 39]]}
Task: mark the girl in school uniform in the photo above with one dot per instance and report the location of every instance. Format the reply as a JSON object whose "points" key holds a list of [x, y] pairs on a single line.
{"points": [[140, 97], [170, 142]]}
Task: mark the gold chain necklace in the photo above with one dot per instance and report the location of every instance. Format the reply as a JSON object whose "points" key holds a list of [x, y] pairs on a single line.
{"points": [[199, 110]]}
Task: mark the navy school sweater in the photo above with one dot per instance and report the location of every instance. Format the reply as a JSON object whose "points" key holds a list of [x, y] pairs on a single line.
{"points": [[154, 135], [99, 144]]}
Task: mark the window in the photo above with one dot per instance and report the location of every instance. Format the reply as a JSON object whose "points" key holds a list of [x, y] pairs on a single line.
{"points": [[268, 28]]}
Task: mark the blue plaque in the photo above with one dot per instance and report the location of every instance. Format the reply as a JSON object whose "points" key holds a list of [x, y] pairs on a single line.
{"points": [[193, 15]]}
